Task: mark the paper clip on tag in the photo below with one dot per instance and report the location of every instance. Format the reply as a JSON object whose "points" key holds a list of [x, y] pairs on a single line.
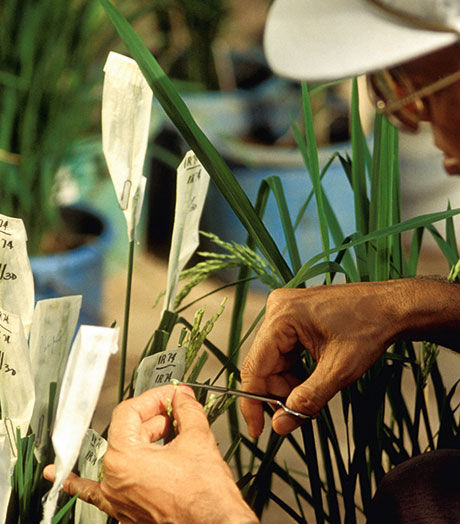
{"points": [[124, 199]]}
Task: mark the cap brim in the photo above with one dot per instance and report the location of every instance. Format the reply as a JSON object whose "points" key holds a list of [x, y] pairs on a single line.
{"points": [[324, 40]]}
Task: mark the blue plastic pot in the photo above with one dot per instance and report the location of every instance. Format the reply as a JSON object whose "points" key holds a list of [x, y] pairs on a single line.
{"points": [[79, 271], [223, 115]]}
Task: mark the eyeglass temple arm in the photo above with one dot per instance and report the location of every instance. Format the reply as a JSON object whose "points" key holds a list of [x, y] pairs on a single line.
{"points": [[446, 81]]}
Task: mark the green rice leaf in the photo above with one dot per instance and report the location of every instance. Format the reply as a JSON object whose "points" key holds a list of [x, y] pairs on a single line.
{"points": [[382, 197], [449, 250], [407, 225], [286, 508], [414, 254], [313, 469], [337, 234], [358, 165], [178, 112], [64, 511], [197, 367], [451, 237], [234, 446], [274, 182], [309, 151], [279, 471], [304, 206]]}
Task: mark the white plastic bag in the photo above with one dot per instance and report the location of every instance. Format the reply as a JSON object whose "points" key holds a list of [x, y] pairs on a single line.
{"points": [[192, 186], [126, 108], [7, 462], [17, 392], [90, 467], [53, 327], [80, 389], [16, 280]]}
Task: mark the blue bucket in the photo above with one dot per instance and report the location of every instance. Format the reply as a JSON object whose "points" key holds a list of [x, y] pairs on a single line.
{"points": [[79, 271]]}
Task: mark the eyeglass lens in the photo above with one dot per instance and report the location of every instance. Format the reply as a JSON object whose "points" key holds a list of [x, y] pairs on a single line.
{"points": [[387, 87]]}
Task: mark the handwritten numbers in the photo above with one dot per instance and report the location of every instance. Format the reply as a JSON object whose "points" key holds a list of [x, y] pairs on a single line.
{"points": [[6, 275], [4, 366], [6, 243]]}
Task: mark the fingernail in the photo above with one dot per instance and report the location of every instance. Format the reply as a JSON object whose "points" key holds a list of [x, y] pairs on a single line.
{"points": [[253, 432], [48, 473], [284, 423]]}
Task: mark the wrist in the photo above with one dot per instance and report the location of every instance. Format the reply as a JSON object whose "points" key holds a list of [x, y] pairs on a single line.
{"points": [[236, 511], [429, 309], [220, 503]]}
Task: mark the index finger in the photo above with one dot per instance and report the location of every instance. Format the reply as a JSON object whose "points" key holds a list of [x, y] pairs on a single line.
{"points": [[262, 361], [188, 412], [129, 415], [268, 356]]}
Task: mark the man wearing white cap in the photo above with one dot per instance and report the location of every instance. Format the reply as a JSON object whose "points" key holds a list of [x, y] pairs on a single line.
{"points": [[410, 50]]}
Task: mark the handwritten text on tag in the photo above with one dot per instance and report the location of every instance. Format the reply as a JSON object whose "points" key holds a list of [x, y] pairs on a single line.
{"points": [[160, 369]]}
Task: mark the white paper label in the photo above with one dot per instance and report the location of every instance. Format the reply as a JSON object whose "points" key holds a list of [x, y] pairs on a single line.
{"points": [[80, 389], [16, 280], [126, 108], [53, 327], [160, 368], [7, 462], [17, 394], [192, 186], [138, 200], [90, 467]]}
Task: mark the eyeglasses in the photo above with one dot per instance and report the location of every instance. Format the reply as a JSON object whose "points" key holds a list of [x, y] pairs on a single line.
{"points": [[393, 95]]}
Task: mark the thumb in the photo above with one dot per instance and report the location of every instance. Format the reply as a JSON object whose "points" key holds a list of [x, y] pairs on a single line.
{"points": [[87, 490], [307, 398], [188, 412]]}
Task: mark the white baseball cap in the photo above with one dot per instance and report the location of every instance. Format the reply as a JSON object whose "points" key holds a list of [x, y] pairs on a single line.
{"points": [[323, 40]]}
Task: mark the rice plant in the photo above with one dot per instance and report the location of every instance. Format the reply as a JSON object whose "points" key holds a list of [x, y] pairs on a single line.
{"points": [[383, 426]]}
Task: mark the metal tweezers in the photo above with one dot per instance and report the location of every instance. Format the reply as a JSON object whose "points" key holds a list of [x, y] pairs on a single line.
{"points": [[271, 399]]}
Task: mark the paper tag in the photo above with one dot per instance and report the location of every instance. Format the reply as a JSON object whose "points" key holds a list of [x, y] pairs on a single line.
{"points": [[138, 200], [90, 467], [53, 326], [17, 394], [7, 462], [126, 108], [16, 280], [192, 186], [160, 368], [80, 389]]}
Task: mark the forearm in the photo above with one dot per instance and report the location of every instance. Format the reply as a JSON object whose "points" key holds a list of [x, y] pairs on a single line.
{"points": [[429, 310]]}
